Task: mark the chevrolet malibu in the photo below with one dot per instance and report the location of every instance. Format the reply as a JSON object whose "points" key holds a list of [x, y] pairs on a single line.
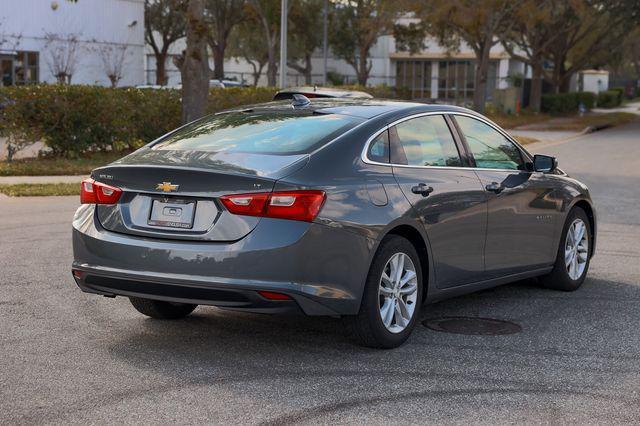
{"points": [[362, 209]]}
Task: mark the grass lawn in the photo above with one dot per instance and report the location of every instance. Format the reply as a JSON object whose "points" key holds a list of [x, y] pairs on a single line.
{"points": [[524, 140], [563, 122], [50, 166], [611, 119], [511, 121], [40, 189]]}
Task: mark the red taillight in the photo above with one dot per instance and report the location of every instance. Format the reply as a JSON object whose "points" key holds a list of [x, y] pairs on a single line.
{"points": [[246, 204], [272, 295], [92, 192], [292, 205]]}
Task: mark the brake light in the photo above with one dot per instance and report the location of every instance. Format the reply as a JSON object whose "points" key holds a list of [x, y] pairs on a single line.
{"points": [[292, 205], [272, 295], [92, 192]]}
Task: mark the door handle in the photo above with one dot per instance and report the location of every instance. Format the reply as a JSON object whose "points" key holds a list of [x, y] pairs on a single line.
{"points": [[494, 187], [422, 189]]}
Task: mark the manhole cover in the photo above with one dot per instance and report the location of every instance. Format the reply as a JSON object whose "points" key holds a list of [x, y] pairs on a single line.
{"points": [[472, 326]]}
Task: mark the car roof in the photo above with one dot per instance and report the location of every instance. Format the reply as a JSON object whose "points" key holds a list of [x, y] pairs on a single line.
{"points": [[362, 108], [331, 92]]}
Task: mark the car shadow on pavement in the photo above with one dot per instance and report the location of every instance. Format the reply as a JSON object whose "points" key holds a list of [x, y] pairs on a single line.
{"points": [[573, 346], [217, 340]]}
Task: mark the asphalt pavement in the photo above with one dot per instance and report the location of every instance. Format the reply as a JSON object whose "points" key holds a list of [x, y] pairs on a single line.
{"points": [[70, 357]]}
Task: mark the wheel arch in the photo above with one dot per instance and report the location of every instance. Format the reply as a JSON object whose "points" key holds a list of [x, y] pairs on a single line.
{"points": [[591, 215], [419, 242]]}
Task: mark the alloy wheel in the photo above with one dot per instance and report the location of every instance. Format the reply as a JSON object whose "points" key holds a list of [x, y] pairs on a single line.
{"points": [[576, 249], [397, 292]]}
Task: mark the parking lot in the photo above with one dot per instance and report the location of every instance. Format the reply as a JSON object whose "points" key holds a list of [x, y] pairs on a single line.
{"points": [[70, 357]]}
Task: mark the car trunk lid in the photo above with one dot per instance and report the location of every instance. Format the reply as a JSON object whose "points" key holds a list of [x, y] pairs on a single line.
{"points": [[175, 194]]}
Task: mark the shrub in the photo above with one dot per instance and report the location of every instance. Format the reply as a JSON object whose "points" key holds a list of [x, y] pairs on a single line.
{"points": [[609, 99], [381, 91], [588, 99], [76, 119], [222, 99], [621, 92], [72, 120], [563, 103], [560, 103]]}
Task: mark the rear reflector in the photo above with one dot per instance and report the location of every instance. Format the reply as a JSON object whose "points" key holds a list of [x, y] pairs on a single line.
{"points": [[77, 274], [272, 295], [92, 192], [292, 205]]}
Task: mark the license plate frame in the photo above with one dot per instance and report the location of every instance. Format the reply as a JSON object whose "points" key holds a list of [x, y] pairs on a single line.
{"points": [[172, 213]]}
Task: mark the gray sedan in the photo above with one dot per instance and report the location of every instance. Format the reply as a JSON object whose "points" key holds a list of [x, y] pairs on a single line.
{"points": [[364, 209]]}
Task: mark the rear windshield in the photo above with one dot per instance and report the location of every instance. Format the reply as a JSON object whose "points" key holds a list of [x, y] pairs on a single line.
{"points": [[259, 132]]}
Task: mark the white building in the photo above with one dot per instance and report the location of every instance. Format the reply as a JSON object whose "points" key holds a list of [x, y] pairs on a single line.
{"points": [[88, 39], [594, 81]]}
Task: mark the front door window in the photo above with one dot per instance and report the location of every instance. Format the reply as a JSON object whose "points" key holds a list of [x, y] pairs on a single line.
{"points": [[490, 149]]}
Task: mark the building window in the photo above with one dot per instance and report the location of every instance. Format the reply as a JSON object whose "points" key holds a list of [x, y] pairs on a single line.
{"points": [[25, 66], [414, 77], [456, 80]]}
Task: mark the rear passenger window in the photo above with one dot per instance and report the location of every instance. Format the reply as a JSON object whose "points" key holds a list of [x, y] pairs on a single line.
{"points": [[425, 141], [379, 148]]}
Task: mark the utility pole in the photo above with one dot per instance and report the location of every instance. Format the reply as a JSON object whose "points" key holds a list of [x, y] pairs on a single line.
{"points": [[283, 44], [325, 53]]}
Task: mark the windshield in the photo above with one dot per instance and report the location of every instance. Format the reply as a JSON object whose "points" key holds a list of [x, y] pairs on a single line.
{"points": [[258, 132]]}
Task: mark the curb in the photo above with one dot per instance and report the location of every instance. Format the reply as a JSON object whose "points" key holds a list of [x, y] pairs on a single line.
{"points": [[587, 130]]}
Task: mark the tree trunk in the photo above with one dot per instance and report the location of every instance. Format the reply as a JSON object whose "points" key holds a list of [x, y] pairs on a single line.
{"points": [[535, 92], [161, 69], [363, 69], [482, 69], [308, 68], [218, 60], [565, 82], [556, 79], [195, 67], [272, 65]]}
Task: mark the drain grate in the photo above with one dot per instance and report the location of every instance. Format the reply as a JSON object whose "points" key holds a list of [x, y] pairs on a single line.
{"points": [[472, 326]]}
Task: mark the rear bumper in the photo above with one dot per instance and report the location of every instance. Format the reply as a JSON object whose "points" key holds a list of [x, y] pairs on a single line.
{"points": [[247, 300], [323, 269]]}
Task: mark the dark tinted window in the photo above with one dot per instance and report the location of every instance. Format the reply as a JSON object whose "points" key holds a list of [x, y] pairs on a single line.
{"points": [[379, 148], [259, 132], [490, 149], [425, 141]]}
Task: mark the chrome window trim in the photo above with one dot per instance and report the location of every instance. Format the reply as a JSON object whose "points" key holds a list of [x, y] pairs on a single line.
{"points": [[365, 159]]}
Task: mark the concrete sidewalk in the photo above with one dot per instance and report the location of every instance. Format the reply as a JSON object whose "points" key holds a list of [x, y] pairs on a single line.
{"points": [[546, 136], [631, 107], [11, 180]]}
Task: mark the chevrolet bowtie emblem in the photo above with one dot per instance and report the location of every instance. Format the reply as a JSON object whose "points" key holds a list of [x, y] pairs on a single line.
{"points": [[166, 187]]}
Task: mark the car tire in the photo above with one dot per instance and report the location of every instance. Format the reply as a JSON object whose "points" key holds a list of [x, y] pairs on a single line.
{"points": [[368, 326], [161, 310], [562, 277]]}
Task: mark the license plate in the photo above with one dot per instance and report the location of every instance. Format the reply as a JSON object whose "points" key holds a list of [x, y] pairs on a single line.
{"points": [[172, 213]]}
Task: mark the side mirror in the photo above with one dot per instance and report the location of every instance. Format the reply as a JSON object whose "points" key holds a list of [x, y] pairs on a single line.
{"points": [[544, 163]]}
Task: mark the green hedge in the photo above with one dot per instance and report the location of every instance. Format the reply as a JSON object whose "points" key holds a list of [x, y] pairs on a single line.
{"points": [[382, 91], [621, 92], [563, 103], [76, 119], [587, 98], [609, 99]]}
